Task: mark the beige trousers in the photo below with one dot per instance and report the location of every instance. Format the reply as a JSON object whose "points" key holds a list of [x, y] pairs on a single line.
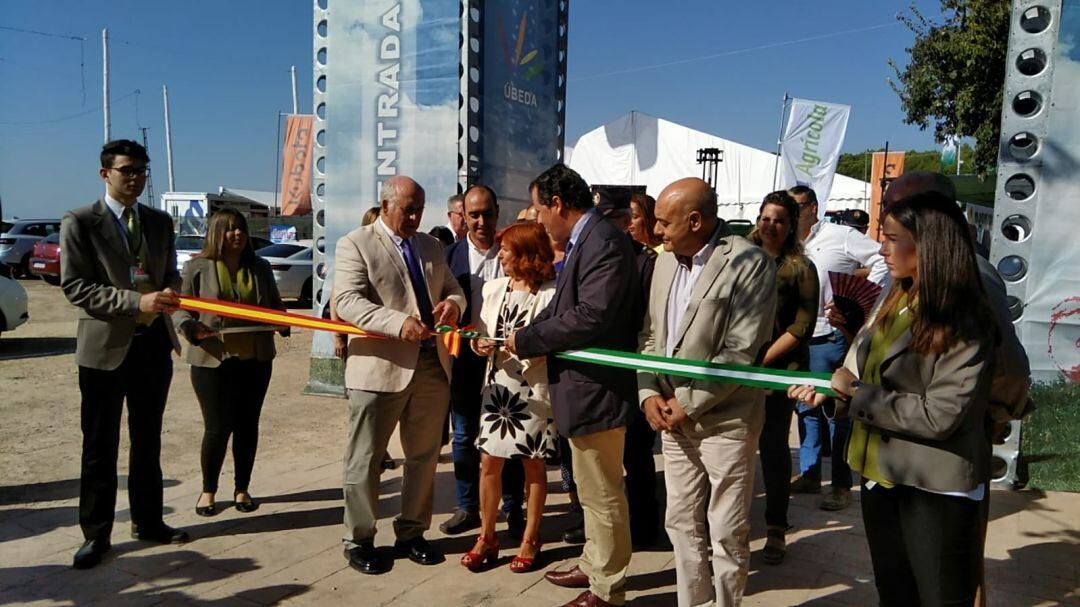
{"points": [[598, 471], [421, 408], [710, 483]]}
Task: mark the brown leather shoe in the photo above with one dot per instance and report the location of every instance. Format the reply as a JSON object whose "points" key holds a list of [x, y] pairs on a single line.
{"points": [[571, 578], [587, 599]]}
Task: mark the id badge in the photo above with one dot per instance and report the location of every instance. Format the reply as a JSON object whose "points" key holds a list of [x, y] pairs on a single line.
{"points": [[139, 276]]}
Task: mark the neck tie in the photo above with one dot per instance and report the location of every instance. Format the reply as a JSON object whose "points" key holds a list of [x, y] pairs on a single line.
{"points": [[131, 223], [569, 247], [416, 277]]}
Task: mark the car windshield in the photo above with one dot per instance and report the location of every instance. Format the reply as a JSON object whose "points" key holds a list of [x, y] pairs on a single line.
{"points": [[280, 250], [189, 243], [52, 238]]}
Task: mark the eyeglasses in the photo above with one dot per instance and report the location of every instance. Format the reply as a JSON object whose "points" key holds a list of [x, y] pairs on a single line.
{"points": [[803, 205], [130, 171]]}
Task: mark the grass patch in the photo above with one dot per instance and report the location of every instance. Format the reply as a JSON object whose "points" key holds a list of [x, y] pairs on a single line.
{"points": [[1050, 439]]}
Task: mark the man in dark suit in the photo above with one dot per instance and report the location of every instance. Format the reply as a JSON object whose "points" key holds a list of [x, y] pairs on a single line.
{"points": [[119, 269], [597, 304], [473, 260]]}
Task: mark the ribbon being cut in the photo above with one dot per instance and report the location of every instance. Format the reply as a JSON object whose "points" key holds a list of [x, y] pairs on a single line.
{"points": [[452, 337]]}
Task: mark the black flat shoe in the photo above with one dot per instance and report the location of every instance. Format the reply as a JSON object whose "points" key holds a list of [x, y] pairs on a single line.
{"points": [[575, 535], [365, 559], [249, 506], [162, 534], [419, 551], [90, 553], [210, 510]]}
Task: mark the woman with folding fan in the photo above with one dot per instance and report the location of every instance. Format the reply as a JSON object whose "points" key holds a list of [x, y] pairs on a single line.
{"points": [[916, 384], [796, 312]]}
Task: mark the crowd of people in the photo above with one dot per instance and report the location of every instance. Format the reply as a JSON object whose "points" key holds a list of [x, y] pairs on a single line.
{"points": [[919, 386]]}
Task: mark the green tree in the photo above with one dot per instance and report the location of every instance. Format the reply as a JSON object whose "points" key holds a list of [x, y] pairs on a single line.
{"points": [[956, 73]]}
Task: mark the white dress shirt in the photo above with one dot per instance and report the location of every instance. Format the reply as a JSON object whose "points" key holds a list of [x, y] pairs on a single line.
{"points": [[682, 287], [836, 248], [483, 266], [117, 209]]}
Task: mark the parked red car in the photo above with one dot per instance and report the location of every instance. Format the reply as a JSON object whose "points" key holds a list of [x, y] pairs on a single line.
{"points": [[45, 259]]}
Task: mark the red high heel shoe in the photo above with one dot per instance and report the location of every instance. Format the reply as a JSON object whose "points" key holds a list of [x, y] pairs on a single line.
{"points": [[475, 561], [525, 564]]}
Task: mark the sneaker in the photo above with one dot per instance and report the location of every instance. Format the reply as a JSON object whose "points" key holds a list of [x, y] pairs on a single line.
{"points": [[460, 522], [837, 498], [803, 484]]}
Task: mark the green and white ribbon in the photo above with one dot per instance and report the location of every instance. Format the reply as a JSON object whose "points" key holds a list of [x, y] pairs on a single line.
{"points": [[743, 375]]}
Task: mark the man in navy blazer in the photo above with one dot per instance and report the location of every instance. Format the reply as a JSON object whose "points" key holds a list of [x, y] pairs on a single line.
{"points": [[597, 304], [473, 260]]}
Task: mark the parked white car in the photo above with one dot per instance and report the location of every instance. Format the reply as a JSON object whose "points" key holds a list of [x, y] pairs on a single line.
{"points": [[17, 242], [291, 262], [13, 310], [189, 246]]}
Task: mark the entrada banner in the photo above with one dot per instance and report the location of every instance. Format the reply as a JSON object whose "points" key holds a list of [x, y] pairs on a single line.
{"points": [[811, 146]]}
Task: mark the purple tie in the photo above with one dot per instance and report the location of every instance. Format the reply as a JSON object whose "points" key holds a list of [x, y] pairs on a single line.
{"points": [[416, 277]]}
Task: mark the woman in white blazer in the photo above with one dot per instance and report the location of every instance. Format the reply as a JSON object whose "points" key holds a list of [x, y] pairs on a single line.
{"points": [[515, 417]]}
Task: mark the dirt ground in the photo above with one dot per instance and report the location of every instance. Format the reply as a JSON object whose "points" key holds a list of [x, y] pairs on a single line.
{"points": [[39, 399]]}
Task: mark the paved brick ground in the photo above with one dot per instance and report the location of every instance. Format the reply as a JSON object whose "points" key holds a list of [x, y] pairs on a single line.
{"points": [[289, 552]]}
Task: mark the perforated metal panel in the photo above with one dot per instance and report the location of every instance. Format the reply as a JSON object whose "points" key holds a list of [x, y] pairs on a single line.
{"points": [[1025, 120]]}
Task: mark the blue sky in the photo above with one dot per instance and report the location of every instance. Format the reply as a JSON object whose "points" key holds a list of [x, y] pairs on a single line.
{"points": [[227, 68]]}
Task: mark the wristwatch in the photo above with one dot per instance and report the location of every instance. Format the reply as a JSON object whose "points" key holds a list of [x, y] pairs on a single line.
{"points": [[855, 384]]}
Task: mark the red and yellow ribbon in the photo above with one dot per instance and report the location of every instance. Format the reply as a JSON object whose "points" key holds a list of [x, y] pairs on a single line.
{"points": [[272, 317]]}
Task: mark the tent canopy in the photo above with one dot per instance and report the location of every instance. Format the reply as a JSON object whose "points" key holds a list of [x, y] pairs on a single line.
{"points": [[638, 149]]}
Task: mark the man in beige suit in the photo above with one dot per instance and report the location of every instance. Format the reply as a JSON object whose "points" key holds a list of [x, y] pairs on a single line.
{"points": [[119, 270], [386, 277], [713, 299]]}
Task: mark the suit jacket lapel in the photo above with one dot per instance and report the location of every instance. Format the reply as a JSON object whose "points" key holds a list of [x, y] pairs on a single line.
{"points": [[895, 349], [575, 255], [394, 253], [663, 275], [110, 231], [716, 264]]}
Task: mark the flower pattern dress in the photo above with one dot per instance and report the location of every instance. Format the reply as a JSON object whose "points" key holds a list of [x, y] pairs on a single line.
{"points": [[514, 421]]}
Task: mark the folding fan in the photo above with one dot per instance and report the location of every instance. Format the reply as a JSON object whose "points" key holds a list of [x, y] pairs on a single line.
{"points": [[854, 297]]}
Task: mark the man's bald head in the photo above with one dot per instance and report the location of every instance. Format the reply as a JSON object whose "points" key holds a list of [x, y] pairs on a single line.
{"points": [[686, 215], [918, 182]]}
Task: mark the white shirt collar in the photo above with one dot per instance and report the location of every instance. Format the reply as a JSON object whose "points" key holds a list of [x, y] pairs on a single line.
{"points": [[476, 249], [118, 207], [394, 237]]}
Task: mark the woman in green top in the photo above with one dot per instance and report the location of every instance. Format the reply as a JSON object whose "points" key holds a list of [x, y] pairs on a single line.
{"points": [[230, 363], [796, 312], [919, 437]]}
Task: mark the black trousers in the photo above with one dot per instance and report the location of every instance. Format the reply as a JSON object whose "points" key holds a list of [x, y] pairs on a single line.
{"points": [[927, 548], [231, 398], [776, 457], [142, 379], [641, 477]]}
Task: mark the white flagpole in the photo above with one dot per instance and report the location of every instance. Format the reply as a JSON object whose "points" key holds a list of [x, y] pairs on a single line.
{"points": [[779, 139], [295, 99], [168, 138], [105, 82]]}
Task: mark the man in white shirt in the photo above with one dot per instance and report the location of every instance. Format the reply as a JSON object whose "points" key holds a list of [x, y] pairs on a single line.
{"points": [[832, 248], [455, 216], [474, 261]]}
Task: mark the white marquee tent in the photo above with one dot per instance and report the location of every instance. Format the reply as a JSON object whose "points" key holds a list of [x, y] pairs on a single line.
{"points": [[638, 149]]}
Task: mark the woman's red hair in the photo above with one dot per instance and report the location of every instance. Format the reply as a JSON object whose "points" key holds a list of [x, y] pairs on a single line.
{"points": [[534, 259]]}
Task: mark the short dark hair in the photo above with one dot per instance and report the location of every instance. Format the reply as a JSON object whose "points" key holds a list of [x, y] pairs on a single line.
{"points": [[122, 147], [802, 190], [564, 182], [479, 186]]}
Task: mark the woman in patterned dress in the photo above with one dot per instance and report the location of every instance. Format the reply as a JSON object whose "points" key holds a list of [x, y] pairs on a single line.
{"points": [[515, 418]]}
